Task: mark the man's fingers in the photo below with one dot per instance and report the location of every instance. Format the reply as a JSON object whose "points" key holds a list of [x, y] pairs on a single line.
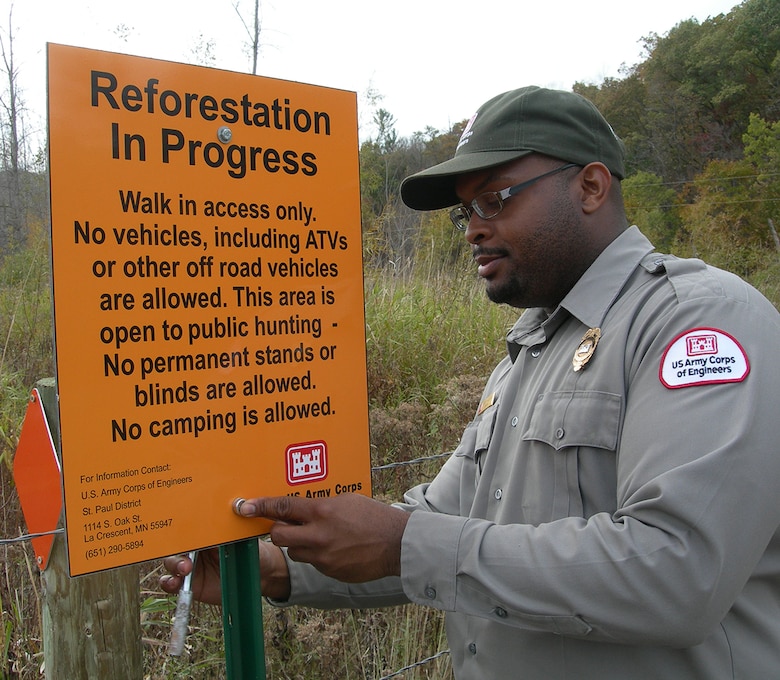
{"points": [[282, 509], [177, 566], [349, 537], [292, 518], [288, 535], [170, 584]]}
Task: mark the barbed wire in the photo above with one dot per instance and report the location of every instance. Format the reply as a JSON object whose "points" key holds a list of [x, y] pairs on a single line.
{"points": [[28, 537], [422, 662], [414, 461]]}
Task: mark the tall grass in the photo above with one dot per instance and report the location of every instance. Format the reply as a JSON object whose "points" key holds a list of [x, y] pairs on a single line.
{"points": [[432, 341], [26, 352], [420, 331], [25, 355]]}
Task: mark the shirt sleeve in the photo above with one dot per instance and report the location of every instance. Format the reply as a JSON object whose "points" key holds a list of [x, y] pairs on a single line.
{"points": [[310, 588]]}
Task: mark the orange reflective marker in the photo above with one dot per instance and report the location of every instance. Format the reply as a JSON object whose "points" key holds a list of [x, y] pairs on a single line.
{"points": [[208, 300], [37, 478]]}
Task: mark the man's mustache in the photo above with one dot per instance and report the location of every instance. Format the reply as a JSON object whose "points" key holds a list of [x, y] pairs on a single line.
{"points": [[478, 251]]}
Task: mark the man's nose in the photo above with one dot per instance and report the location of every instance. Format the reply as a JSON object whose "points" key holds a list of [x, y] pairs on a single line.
{"points": [[478, 229]]}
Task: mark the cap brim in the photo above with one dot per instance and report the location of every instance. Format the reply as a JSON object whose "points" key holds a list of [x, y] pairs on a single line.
{"points": [[434, 188]]}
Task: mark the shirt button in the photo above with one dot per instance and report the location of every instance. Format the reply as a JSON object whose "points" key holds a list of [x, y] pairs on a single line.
{"points": [[559, 433], [514, 421], [535, 352], [430, 593], [473, 648], [497, 495], [500, 612]]}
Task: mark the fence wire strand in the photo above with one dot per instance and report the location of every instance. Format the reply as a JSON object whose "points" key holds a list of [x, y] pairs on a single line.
{"points": [[28, 537], [414, 461], [415, 665]]}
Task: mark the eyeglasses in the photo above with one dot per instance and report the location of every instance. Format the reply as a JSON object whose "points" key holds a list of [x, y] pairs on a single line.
{"points": [[491, 203]]}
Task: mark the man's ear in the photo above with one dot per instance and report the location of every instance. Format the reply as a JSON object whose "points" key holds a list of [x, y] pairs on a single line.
{"points": [[595, 181]]}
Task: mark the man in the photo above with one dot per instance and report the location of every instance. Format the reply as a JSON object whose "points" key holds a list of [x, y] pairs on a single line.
{"points": [[611, 512]]}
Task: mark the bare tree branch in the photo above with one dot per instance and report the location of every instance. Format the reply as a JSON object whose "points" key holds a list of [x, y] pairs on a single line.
{"points": [[253, 33]]}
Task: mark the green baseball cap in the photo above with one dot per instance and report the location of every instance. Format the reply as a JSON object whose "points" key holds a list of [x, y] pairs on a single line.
{"points": [[555, 123]]}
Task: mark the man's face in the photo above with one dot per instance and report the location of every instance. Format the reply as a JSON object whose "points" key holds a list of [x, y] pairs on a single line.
{"points": [[531, 253]]}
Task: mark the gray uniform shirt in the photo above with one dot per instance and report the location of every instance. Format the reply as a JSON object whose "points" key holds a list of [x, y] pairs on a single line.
{"points": [[619, 521]]}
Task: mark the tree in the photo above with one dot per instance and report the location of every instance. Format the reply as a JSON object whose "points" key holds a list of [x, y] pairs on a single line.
{"points": [[624, 104], [203, 51], [762, 152], [654, 207], [729, 221], [14, 149], [393, 233], [386, 135], [690, 99], [253, 31]]}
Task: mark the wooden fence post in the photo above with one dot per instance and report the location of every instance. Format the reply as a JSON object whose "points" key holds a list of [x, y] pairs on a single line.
{"points": [[91, 624]]}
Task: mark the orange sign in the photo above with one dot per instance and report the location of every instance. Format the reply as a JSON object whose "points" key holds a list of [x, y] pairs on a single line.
{"points": [[208, 298]]}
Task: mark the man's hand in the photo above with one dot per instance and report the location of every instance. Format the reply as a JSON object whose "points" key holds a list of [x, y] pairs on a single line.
{"points": [[349, 537], [206, 585], [205, 582]]}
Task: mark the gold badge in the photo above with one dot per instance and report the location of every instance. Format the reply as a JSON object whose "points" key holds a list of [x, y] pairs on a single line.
{"points": [[487, 402], [585, 350]]}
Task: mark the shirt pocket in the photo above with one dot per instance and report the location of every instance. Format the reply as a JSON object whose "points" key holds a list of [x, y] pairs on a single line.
{"points": [[575, 419], [476, 439]]}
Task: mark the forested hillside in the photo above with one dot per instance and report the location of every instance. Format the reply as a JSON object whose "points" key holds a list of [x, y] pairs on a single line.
{"points": [[699, 116]]}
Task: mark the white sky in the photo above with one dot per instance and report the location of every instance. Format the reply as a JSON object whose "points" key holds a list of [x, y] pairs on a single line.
{"points": [[433, 61]]}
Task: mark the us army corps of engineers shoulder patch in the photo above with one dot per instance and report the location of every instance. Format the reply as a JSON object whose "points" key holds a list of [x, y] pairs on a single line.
{"points": [[703, 356]]}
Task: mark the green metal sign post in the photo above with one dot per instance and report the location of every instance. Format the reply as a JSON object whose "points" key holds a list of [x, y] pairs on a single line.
{"points": [[242, 610]]}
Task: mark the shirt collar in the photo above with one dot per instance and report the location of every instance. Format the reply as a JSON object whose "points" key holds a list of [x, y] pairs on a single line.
{"points": [[599, 287], [592, 296]]}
